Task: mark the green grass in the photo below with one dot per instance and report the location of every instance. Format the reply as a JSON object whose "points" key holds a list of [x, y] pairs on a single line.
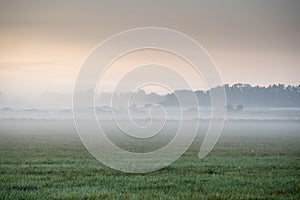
{"points": [[47, 161]]}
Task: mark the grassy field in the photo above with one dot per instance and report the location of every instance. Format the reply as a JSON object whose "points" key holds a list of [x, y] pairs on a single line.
{"points": [[252, 160]]}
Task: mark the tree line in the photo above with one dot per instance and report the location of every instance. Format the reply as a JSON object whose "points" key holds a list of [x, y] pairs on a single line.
{"points": [[276, 95]]}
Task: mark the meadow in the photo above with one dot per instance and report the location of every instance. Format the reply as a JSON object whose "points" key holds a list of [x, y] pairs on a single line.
{"points": [[44, 159]]}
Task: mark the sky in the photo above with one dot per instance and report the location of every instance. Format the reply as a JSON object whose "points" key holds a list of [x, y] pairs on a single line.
{"points": [[43, 43]]}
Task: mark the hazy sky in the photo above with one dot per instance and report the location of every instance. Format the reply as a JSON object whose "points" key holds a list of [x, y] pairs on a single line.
{"points": [[44, 42]]}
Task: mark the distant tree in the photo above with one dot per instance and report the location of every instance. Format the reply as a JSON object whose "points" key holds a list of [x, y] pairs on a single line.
{"points": [[276, 95], [229, 108], [239, 107]]}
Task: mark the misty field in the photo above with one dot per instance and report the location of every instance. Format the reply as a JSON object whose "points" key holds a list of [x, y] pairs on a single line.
{"points": [[42, 159]]}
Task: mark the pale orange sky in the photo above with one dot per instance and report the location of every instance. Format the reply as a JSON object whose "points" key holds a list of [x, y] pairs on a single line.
{"points": [[43, 43]]}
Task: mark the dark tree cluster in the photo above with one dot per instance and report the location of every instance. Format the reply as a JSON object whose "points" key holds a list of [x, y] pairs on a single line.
{"points": [[244, 95]]}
